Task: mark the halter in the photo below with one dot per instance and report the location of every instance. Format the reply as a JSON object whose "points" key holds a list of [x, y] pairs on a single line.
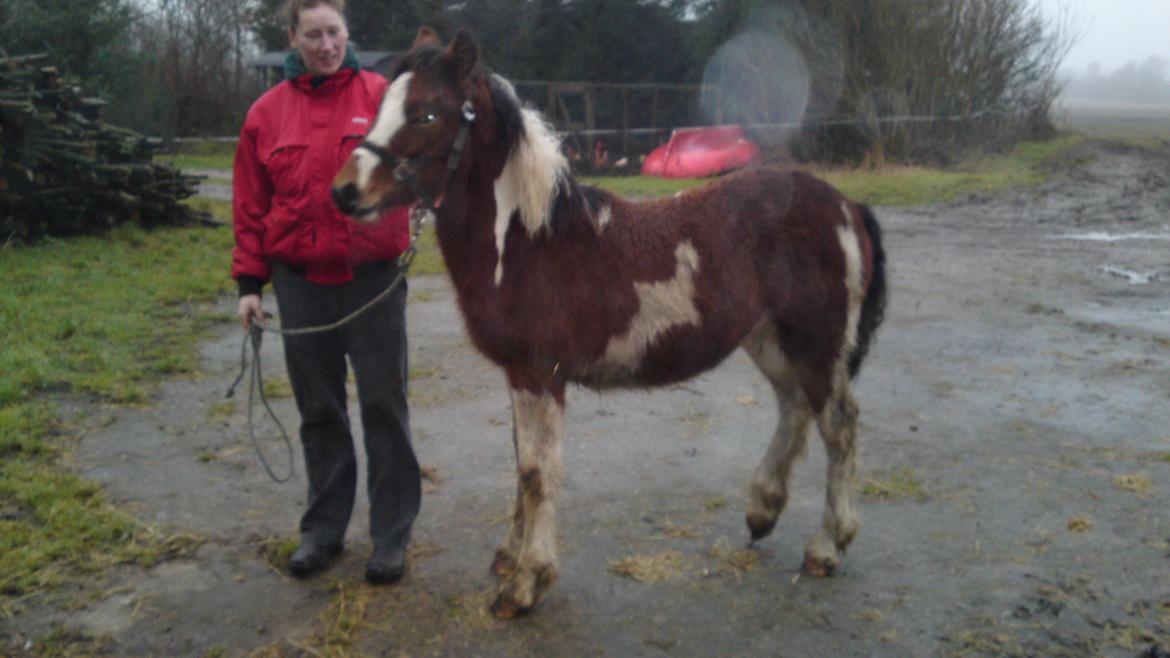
{"points": [[404, 169]]}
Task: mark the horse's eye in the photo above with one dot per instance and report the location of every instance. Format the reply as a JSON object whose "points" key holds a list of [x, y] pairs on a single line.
{"points": [[425, 118]]}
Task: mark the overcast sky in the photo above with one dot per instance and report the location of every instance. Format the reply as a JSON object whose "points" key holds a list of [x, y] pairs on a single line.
{"points": [[1114, 32]]}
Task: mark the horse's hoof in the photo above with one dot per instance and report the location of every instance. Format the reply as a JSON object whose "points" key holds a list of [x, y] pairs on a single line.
{"points": [[819, 567], [505, 608], [760, 526], [504, 565]]}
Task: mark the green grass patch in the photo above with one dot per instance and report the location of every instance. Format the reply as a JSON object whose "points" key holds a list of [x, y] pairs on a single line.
{"points": [[714, 503], [57, 527], [104, 316], [428, 260], [222, 410], [643, 186], [1027, 165], [901, 485], [277, 388]]}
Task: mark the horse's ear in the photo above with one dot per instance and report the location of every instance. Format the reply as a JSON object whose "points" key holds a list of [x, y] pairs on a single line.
{"points": [[462, 54], [425, 37]]}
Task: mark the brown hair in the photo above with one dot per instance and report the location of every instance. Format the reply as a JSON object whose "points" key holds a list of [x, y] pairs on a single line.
{"points": [[291, 12]]}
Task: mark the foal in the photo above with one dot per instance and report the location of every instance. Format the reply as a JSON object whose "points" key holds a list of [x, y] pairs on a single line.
{"points": [[562, 283]]}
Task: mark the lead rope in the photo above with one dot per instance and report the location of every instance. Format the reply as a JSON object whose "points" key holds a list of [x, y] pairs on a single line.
{"points": [[255, 336]]}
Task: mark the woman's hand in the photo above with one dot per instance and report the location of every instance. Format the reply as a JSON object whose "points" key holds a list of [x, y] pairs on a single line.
{"points": [[250, 308]]}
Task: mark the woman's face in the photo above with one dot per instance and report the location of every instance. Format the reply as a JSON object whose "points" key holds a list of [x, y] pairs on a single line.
{"points": [[320, 36]]}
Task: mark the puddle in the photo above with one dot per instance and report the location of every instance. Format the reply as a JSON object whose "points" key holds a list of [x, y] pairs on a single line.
{"points": [[1105, 236], [1136, 278], [1153, 320]]}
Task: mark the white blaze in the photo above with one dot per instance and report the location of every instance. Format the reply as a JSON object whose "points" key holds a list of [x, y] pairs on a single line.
{"points": [[391, 117]]}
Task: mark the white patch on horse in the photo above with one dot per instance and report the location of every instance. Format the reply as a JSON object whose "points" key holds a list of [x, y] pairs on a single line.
{"points": [[604, 216], [847, 212], [528, 182], [662, 305], [507, 194], [391, 117], [852, 251]]}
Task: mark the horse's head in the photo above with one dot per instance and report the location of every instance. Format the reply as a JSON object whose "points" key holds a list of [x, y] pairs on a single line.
{"points": [[412, 149]]}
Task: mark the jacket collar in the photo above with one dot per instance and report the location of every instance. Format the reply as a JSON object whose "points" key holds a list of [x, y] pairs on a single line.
{"points": [[294, 69]]}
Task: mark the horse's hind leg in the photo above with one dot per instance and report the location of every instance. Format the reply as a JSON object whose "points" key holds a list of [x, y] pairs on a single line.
{"points": [[768, 492], [837, 423], [538, 424]]}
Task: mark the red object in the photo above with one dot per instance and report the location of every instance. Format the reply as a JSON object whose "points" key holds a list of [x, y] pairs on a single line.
{"points": [[294, 140], [695, 152]]}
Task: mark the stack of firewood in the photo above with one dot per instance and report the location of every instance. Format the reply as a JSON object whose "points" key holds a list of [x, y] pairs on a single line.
{"points": [[63, 170]]}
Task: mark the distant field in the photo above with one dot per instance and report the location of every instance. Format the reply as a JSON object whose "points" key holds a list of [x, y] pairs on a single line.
{"points": [[1097, 118]]}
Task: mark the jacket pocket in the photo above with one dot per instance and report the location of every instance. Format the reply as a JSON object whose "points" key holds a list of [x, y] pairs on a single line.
{"points": [[288, 167]]}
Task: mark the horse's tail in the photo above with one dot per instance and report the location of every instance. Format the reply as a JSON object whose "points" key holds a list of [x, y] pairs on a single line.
{"points": [[873, 307]]}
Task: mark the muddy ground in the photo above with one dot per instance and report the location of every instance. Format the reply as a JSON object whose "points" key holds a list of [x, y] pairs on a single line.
{"points": [[1014, 484]]}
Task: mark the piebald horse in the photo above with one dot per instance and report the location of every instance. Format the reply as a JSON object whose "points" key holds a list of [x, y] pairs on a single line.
{"points": [[562, 283]]}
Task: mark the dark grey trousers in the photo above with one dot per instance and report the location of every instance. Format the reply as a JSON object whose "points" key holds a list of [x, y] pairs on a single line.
{"points": [[376, 345]]}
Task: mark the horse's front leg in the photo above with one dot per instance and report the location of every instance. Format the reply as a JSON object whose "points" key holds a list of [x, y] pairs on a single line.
{"points": [[538, 418], [508, 550]]}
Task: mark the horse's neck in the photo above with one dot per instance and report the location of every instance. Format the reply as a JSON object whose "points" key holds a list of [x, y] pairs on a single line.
{"points": [[467, 238]]}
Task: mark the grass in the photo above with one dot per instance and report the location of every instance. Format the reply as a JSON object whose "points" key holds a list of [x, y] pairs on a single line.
{"points": [[642, 186], [429, 259], [1027, 165], [901, 485], [104, 317]]}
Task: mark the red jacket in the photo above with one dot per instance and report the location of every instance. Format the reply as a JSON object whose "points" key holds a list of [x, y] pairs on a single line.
{"points": [[294, 140]]}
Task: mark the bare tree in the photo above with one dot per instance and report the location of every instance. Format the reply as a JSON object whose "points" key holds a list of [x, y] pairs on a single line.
{"points": [[200, 63]]}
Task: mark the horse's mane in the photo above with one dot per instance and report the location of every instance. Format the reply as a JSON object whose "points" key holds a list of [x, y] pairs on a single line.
{"points": [[548, 197], [535, 161]]}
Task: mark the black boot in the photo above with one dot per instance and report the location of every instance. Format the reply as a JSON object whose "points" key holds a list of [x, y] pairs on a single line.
{"points": [[386, 565], [309, 558]]}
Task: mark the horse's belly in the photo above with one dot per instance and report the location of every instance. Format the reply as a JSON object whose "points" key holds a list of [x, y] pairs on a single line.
{"points": [[674, 357]]}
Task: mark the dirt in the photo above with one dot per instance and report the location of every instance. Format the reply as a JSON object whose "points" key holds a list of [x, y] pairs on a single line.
{"points": [[1014, 487]]}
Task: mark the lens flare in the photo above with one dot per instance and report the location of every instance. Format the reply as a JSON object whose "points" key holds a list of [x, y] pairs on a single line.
{"points": [[756, 78]]}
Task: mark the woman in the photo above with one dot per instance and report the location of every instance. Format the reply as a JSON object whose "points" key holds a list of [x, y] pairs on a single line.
{"points": [[323, 266]]}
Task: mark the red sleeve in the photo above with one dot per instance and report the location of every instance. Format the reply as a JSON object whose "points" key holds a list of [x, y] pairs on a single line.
{"points": [[251, 199]]}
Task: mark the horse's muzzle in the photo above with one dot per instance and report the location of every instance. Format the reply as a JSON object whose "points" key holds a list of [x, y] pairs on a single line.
{"points": [[346, 198]]}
